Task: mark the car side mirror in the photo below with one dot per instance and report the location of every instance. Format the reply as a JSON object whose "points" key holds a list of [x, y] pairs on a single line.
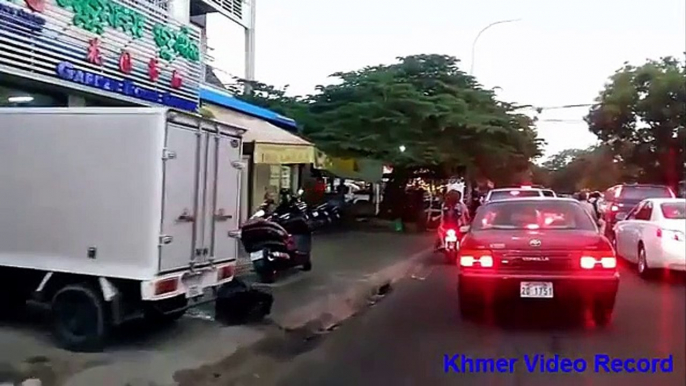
{"points": [[465, 228], [621, 217]]}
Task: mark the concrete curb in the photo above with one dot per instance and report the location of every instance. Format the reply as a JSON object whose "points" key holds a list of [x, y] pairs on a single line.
{"points": [[325, 313]]}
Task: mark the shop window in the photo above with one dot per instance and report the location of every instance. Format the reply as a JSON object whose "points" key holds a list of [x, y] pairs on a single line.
{"points": [[20, 97]]}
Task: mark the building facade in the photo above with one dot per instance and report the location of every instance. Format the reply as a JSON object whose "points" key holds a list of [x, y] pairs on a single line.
{"points": [[97, 53]]}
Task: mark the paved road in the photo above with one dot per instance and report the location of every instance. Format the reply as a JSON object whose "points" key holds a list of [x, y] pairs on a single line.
{"points": [[403, 339], [146, 355]]}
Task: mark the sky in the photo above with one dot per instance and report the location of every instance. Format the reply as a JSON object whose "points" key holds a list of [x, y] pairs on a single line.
{"points": [[558, 53]]}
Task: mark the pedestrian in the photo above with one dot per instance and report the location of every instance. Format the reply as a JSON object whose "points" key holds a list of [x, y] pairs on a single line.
{"points": [[591, 209]]}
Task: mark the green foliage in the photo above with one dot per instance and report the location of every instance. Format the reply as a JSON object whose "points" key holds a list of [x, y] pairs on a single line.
{"points": [[273, 98], [641, 116], [441, 115], [594, 168], [427, 104]]}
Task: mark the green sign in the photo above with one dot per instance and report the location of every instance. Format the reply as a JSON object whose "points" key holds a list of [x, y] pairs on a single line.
{"points": [[172, 43], [95, 15]]}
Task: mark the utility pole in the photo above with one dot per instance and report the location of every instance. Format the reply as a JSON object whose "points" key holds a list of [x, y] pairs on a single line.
{"points": [[250, 47]]}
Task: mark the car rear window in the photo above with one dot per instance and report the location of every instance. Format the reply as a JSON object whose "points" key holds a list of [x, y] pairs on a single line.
{"points": [[548, 193], [515, 193], [640, 193], [674, 210], [532, 215]]}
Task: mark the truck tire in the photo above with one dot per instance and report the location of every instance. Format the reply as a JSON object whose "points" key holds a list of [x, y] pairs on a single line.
{"points": [[80, 319]]}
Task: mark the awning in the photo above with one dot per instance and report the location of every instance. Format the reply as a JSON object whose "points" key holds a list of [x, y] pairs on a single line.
{"points": [[351, 168], [273, 145], [221, 97]]}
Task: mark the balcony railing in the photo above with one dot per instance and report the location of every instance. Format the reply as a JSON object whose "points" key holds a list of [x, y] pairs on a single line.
{"points": [[233, 9]]}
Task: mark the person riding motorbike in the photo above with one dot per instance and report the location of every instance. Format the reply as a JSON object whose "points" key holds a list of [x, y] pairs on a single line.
{"points": [[454, 214]]}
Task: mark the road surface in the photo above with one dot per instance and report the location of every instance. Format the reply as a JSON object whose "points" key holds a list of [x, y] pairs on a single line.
{"points": [[403, 339]]}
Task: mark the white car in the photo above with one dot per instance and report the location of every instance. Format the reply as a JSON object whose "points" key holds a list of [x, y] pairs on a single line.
{"points": [[520, 192], [653, 235]]}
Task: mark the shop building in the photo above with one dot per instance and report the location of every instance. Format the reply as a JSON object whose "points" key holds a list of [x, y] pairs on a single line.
{"points": [[275, 154], [106, 53]]}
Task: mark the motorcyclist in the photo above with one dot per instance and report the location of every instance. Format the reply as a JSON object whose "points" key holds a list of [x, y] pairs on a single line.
{"points": [[454, 214]]}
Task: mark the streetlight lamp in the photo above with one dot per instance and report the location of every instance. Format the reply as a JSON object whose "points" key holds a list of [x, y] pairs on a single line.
{"points": [[476, 39], [402, 148]]}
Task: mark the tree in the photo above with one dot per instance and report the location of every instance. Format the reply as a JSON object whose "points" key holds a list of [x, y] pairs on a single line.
{"points": [[641, 116], [425, 103], [594, 168], [273, 98], [560, 160]]}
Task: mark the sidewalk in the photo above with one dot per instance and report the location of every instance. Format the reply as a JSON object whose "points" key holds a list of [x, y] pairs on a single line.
{"points": [[343, 263], [347, 267]]}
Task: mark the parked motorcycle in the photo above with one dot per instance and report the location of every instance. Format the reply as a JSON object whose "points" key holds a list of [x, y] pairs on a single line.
{"points": [[278, 240]]}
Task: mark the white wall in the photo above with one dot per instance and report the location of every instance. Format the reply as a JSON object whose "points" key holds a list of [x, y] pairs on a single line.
{"points": [[180, 10]]}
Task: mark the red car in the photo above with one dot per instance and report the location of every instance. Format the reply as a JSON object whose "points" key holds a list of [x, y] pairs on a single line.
{"points": [[536, 250]]}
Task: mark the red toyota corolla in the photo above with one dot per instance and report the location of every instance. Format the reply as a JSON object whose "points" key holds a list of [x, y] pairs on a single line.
{"points": [[536, 250]]}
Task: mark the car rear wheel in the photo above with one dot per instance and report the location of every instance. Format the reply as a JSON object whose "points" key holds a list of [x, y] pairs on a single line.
{"points": [[642, 265]]}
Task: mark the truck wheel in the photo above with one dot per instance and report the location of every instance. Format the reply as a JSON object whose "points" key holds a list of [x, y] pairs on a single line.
{"points": [[80, 318]]}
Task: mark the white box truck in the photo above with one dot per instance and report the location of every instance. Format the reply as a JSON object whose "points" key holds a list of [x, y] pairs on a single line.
{"points": [[113, 214]]}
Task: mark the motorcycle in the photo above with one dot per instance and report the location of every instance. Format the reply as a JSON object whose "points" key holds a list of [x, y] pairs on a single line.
{"points": [[329, 213], [449, 240], [279, 240]]}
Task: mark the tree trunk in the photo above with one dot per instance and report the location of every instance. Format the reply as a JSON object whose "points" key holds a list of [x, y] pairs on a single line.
{"points": [[394, 197]]}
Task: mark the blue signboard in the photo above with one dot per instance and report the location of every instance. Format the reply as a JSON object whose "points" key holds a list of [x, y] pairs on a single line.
{"points": [[67, 71], [17, 18]]}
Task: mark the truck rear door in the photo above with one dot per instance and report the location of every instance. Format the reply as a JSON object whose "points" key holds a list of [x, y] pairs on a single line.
{"points": [[223, 187], [184, 162]]}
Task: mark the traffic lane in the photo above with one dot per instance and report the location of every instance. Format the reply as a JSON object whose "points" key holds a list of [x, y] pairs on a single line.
{"points": [[404, 338]]}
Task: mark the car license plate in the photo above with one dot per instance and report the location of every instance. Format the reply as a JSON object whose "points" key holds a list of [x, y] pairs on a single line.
{"points": [[194, 291], [256, 255], [529, 289]]}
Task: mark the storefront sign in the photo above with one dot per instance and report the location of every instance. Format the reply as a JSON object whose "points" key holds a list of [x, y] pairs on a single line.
{"points": [[67, 71], [127, 49], [283, 154], [22, 19]]}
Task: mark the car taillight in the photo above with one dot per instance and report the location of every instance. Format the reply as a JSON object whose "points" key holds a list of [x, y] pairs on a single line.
{"points": [[598, 260], [476, 258]]}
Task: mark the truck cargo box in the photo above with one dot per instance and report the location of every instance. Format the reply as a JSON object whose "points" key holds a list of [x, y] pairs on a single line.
{"points": [[127, 193]]}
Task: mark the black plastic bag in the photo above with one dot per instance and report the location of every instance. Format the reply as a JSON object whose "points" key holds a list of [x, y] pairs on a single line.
{"points": [[238, 303]]}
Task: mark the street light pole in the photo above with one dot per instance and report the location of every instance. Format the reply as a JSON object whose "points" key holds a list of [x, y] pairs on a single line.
{"points": [[250, 46], [476, 39]]}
